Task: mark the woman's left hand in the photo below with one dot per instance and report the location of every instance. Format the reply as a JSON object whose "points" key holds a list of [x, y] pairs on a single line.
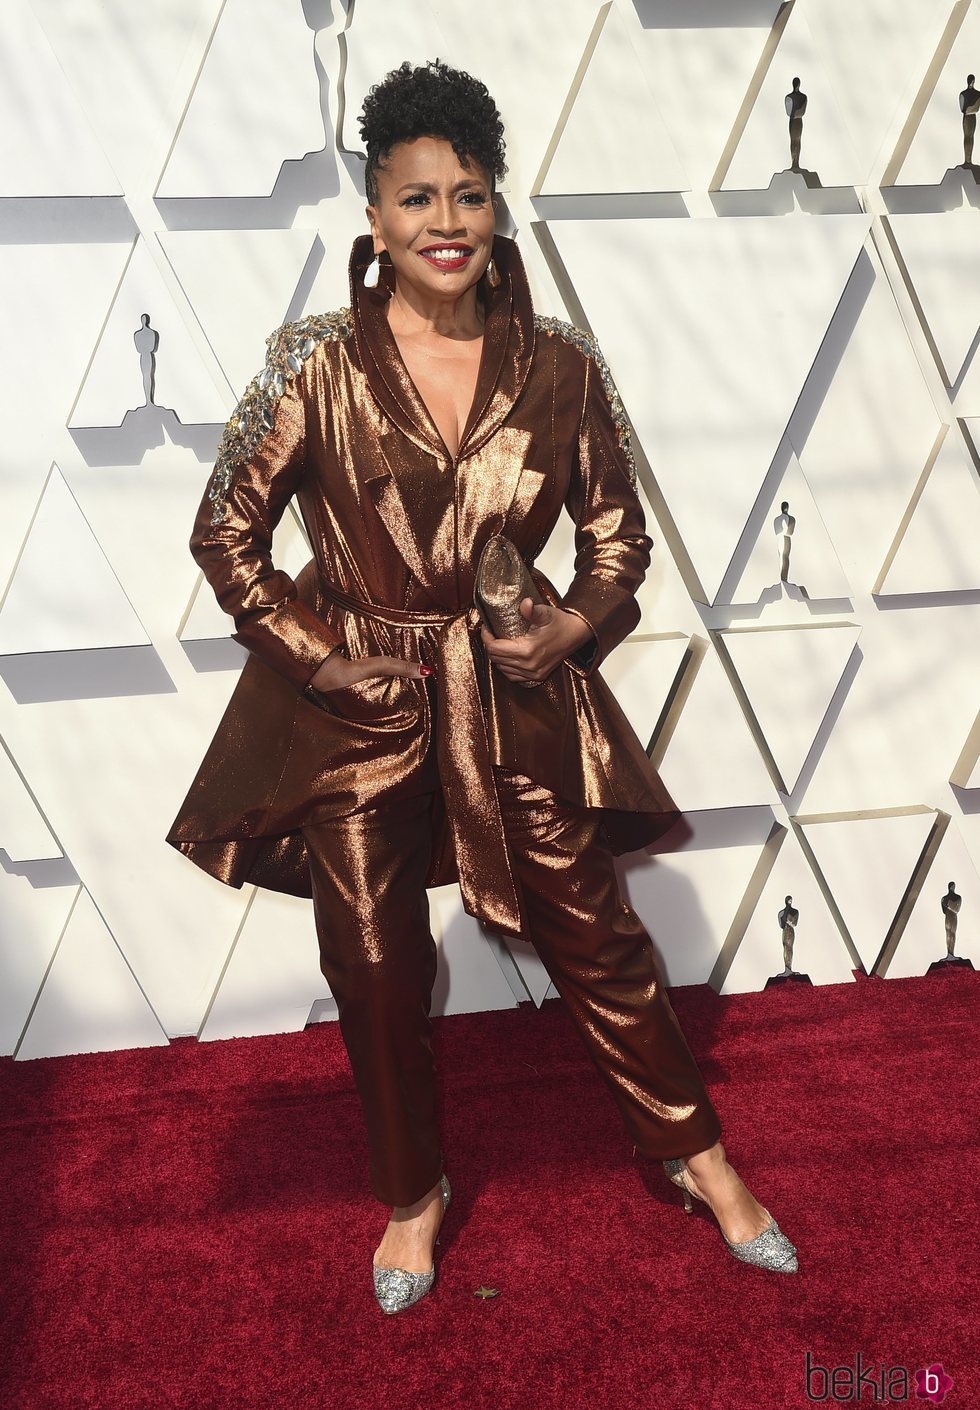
{"points": [[552, 635]]}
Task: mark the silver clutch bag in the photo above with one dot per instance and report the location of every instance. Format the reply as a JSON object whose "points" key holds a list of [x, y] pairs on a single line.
{"points": [[502, 582]]}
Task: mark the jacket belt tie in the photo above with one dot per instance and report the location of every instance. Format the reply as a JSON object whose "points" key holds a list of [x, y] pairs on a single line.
{"points": [[486, 879]]}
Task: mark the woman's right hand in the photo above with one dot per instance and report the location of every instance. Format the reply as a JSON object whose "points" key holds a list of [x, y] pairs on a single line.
{"points": [[336, 671]]}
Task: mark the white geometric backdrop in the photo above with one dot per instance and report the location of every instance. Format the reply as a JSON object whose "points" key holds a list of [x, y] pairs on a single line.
{"points": [[810, 338]]}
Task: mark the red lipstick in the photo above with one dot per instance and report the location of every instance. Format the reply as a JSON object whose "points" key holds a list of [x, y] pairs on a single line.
{"points": [[448, 257]]}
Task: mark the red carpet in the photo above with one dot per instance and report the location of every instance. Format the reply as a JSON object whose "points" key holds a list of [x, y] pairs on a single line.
{"points": [[192, 1227]]}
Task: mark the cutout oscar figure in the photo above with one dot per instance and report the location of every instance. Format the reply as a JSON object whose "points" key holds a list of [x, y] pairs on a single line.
{"points": [[796, 103], [950, 906], [785, 524], [146, 340], [969, 103], [969, 106], [789, 919]]}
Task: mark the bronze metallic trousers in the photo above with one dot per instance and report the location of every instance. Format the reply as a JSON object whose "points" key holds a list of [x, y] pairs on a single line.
{"points": [[377, 954]]}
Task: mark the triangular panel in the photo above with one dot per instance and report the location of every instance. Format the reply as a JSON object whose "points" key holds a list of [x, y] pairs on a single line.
{"points": [[64, 289], [818, 949], [923, 940], [612, 98], [937, 141], [641, 674], [239, 284], [866, 426], [127, 368], [531, 972], [939, 550], [711, 377], [711, 759], [689, 895], [792, 553], [49, 148], [764, 149], [154, 566], [64, 596], [127, 75], [941, 252], [700, 96], [875, 54], [790, 677], [110, 773], [237, 148], [24, 833], [31, 920], [867, 864], [268, 988], [90, 1001]]}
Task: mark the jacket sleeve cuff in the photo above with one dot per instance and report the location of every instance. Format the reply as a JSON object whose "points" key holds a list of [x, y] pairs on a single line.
{"points": [[292, 639], [309, 690], [584, 660], [610, 615]]}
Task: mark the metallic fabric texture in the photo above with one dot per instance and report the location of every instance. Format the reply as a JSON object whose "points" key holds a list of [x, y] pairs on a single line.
{"points": [[397, 526], [379, 958]]}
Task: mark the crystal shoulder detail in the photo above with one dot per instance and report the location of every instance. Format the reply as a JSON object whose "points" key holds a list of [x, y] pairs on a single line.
{"points": [[287, 349], [586, 343]]}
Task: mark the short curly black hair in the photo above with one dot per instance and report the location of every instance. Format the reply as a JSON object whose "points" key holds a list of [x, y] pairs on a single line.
{"points": [[431, 100]]}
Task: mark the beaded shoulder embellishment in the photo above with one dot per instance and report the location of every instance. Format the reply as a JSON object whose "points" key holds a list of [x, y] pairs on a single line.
{"points": [[587, 344], [255, 415]]}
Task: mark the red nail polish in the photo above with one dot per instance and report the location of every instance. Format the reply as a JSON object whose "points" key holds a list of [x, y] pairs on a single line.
{"points": [[425, 670]]}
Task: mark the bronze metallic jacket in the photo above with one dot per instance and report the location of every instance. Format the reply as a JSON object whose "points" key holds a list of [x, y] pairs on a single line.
{"points": [[397, 526]]}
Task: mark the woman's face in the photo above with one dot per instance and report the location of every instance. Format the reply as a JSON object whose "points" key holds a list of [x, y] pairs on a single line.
{"points": [[434, 216]]}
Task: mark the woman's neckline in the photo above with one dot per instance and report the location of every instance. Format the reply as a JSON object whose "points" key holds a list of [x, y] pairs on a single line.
{"points": [[435, 357], [480, 338]]}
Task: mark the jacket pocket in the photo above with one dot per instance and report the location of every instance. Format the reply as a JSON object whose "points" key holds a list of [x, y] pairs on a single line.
{"points": [[380, 700]]}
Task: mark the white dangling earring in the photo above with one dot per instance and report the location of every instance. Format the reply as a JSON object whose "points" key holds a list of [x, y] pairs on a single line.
{"points": [[493, 275], [372, 274]]}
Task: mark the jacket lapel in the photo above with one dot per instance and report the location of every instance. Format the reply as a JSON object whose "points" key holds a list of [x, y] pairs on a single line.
{"points": [[414, 498], [381, 362], [493, 476], [508, 348], [386, 493]]}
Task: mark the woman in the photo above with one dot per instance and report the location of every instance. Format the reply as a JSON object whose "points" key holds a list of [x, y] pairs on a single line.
{"points": [[380, 739]]}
